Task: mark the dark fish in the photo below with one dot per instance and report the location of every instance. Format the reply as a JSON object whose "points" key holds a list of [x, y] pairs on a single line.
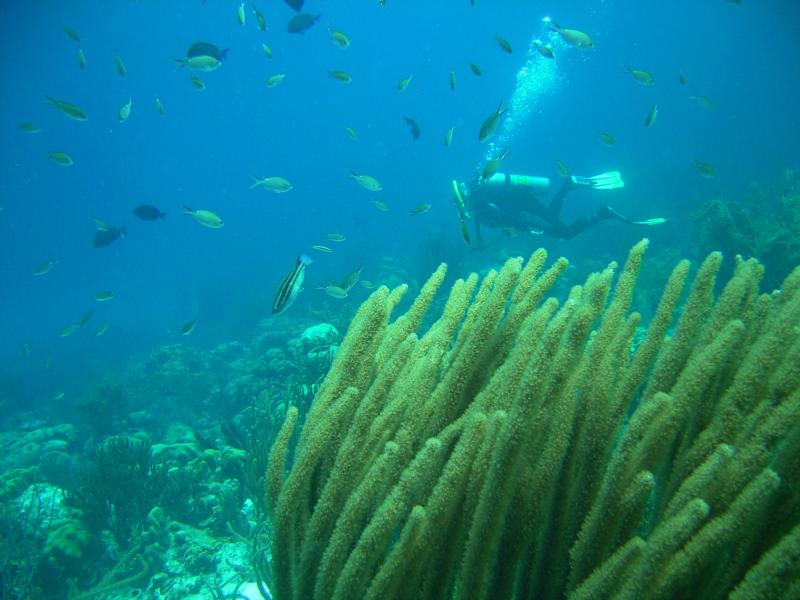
{"points": [[296, 5], [148, 212], [188, 328], [85, 319], [413, 126], [299, 23], [291, 285], [207, 49], [103, 238]]}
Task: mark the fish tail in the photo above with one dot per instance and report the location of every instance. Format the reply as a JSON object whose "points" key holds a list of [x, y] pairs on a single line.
{"points": [[187, 210], [49, 100], [305, 259], [257, 181], [180, 61], [352, 174]]}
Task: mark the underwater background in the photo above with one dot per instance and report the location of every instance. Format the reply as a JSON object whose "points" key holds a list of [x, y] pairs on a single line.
{"points": [[726, 87]]}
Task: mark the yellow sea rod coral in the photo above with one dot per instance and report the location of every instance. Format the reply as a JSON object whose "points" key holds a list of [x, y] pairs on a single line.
{"points": [[519, 449]]}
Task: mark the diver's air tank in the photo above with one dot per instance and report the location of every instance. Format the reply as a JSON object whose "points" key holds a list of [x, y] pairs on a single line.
{"points": [[538, 183]]}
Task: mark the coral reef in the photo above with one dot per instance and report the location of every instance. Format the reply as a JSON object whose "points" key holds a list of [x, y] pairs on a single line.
{"points": [[764, 224], [520, 449]]}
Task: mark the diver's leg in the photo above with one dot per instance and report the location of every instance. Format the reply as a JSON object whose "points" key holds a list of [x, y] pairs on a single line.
{"points": [[556, 203], [567, 232]]}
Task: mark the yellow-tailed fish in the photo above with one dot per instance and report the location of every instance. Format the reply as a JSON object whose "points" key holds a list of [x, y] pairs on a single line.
{"points": [[125, 111], [351, 279], [562, 169], [30, 128], [334, 291], [380, 205], [682, 77], [62, 158], [120, 66], [453, 80], [68, 330], [321, 248], [44, 267], [351, 132], [475, 69], [403, 83], [545, 50], [334, 236], [72, 111], [366, 283], [606, 138], [85, 319], [448, 137], [366, 181], [81, 58], [57, 396], [275, 79], [104, 296], [25, 349], [706, 169], [493, 165], [574, 37], [266, 50], [188, 327], [342, 76], [504, 44], [198, 83], [159, 107], [651, 116], [490, 123], [71, 33], [279, 185], [240, 16], [703, 101], [200, 63], [339, 38], [643, 77], [420, 209], [260, 20], [204, 217], [102, 328]]}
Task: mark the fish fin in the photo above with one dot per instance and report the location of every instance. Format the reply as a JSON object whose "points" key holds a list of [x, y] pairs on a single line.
{"points": [[257, 181], [180, 61], [187, 210]]}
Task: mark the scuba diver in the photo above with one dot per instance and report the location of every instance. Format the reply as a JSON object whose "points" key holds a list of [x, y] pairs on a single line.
{"points": [[513, 203]]}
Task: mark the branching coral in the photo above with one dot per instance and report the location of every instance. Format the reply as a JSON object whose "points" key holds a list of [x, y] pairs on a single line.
{"points": [[519, 449]]}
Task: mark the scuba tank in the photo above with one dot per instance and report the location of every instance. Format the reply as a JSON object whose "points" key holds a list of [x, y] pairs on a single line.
{"points": [[540, 184]]}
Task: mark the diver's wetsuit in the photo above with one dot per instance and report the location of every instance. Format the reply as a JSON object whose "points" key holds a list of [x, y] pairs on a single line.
{"points": [[519, 207]]}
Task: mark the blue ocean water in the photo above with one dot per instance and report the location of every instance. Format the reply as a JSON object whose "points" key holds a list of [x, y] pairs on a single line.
{"points": [[202, 151]]}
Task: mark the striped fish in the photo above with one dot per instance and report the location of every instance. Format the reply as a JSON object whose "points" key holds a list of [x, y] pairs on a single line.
{"points": [[291, 285]]}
